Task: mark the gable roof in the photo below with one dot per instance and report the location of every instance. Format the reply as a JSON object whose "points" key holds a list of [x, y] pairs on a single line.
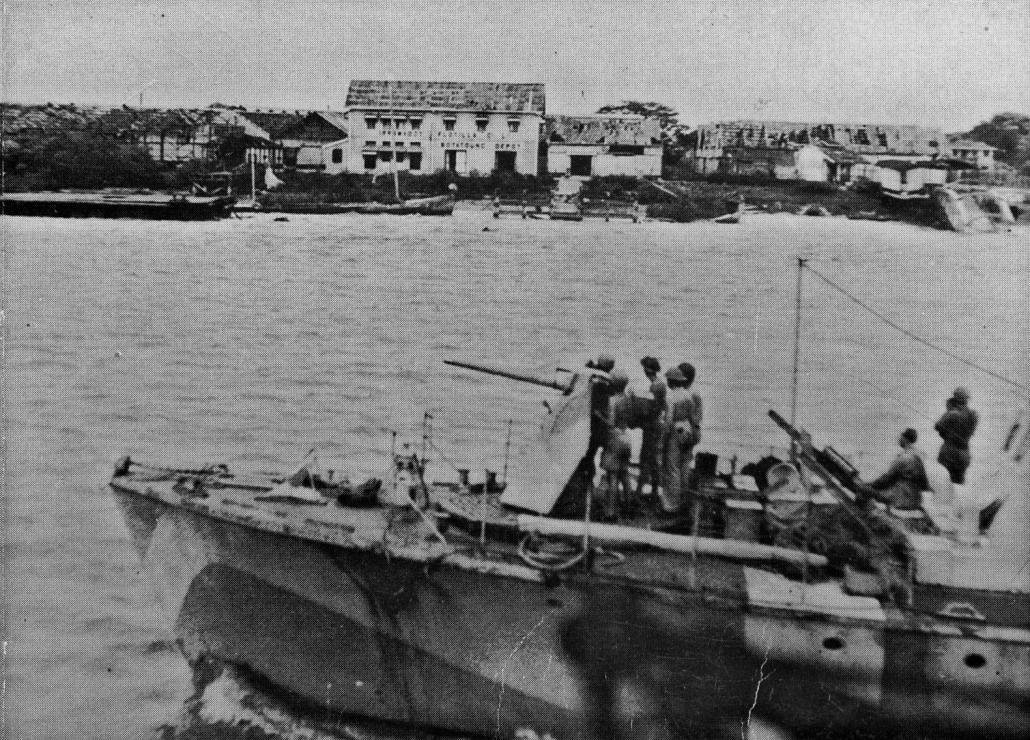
{"points": [[970, 144], [406, 95], [603, 130], [273, 122]]}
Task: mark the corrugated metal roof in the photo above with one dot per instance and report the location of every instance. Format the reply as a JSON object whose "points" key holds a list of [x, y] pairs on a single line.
{"points": [[506, 97], [334, 118], [273, 122], [603, 130], [970, 144]]}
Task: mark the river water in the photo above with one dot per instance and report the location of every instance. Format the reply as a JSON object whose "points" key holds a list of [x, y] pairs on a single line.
{"points": [[251, 341]]}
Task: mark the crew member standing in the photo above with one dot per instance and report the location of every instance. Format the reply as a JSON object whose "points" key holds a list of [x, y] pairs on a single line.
{"points": [[956, 428], [651, 454], [683, 432], [615, 457], [600, 410]]}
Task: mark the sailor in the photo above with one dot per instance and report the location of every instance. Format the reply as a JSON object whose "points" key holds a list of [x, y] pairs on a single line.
{"points": [[651, 441], [615, 458], [651, 368], [600, 412], [682, 433], [902, 484], [956, 427]]}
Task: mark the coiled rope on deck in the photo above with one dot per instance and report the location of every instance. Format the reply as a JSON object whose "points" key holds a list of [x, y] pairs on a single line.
{"points": [[915, 337]]}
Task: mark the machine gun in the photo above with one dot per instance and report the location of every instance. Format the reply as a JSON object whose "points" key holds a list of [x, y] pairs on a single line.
{"points": [[827, 463]]}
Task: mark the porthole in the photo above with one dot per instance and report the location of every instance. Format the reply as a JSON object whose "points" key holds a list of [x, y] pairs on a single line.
{"points": [[833, 643], [975, 660]]}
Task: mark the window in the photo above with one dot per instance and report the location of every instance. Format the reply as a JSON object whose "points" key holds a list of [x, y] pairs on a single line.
{"points": [[415, 143], [416, 124], [370, 143], [370, 161], [513, 125], [448, 124], [400, 156], [398, 123], [387, 144], [481, 123], [337, 156], [290, 156], [370, 122], [385, 156], [415, 161]]}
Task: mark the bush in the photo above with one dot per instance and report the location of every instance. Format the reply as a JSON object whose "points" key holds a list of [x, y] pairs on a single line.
{"points": [[81, 159]]}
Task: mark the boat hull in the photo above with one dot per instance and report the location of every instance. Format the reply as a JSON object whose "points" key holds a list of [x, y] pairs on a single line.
{"points": [[360, 634], [98, 206], [434, 645]]}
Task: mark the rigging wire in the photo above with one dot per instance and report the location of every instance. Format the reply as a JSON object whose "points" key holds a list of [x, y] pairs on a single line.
{"points": [[897, 327]]}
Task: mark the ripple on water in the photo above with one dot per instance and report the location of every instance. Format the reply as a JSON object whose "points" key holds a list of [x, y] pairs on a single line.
{"points": [[249, 342]]}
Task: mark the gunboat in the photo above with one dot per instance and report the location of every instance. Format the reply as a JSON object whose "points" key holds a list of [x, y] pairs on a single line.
{"points": [[471, 608]]}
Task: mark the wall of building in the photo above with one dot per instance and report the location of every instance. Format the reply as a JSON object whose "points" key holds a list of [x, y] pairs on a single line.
{"points": [[603, 163], [474, 139], [811, 165]]}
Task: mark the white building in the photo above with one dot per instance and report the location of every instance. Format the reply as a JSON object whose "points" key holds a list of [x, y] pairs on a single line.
{"points": [[974, 152], [599, 145], [464, 127]]}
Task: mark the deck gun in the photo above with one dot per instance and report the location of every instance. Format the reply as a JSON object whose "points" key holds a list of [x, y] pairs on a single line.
{"points": [[565, 388]]}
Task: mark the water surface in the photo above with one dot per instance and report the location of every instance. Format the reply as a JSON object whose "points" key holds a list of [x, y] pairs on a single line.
{"points": [[250, 342]]}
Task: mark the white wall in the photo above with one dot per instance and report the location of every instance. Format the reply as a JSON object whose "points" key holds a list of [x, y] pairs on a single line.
{"points": [[602, 163], [477, 148], [811, 164]]}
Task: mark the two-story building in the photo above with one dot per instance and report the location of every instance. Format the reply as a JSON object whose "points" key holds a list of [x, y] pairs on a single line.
{"points": [[463, 127], [600, 145], [974, 152]]}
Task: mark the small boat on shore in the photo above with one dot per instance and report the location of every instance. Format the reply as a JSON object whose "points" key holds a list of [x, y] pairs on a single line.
{"points": [[117, 204], [441, 205]]}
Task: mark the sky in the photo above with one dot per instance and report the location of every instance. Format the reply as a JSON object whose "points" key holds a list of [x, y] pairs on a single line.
{"points": [[942, 63]]}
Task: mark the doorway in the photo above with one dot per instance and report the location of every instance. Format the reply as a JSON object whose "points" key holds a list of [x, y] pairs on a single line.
{"points": [[580, 165]]}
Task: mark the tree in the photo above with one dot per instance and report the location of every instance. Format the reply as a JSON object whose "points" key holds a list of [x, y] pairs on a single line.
{"points": [[84, 159], [676, 138], [668, 118], [1009, 132]]}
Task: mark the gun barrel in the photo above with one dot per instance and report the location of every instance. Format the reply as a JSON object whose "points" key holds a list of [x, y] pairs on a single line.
{"points": [[521, 377], [790, 429]]}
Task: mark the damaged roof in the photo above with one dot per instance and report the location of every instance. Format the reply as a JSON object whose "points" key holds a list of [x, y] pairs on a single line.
{"points": [[407, 95], [603, 130]]}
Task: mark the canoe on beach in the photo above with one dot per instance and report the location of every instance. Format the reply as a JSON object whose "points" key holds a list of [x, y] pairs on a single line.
{"points": [[442, 205]]}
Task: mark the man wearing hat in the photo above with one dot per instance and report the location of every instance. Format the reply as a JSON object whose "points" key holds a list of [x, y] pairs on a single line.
{"points": [[651, 453], [682, 433], [600, 406], [956, 428], [903, 482], [651, 368]]}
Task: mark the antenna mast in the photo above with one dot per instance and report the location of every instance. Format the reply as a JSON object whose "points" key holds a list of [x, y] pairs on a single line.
{"points": [[797, 345]]}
